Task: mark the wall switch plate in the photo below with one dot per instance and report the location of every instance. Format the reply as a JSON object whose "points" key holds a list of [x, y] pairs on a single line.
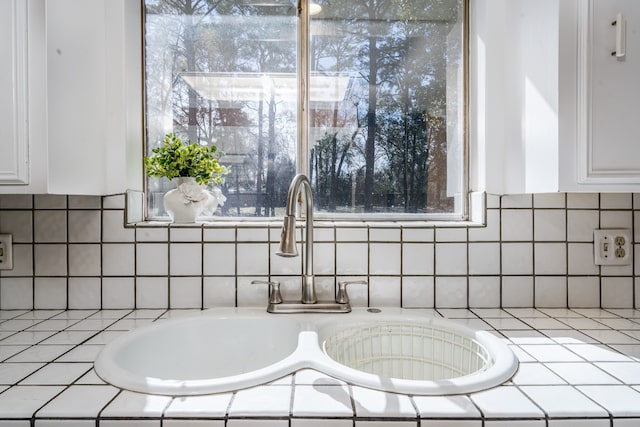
{"points": [[612, 246], [6, 252]]}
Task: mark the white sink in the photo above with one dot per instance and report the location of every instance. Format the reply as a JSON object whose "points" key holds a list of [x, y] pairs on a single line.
{"points": [[202, 354], [403, 351], [415, 354]]}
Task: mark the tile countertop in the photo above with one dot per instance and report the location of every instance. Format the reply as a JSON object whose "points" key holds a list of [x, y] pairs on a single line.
{"points": [[578, 367]]}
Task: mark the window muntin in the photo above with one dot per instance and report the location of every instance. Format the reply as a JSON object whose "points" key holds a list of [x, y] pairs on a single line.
{"points": [[226, 72]]}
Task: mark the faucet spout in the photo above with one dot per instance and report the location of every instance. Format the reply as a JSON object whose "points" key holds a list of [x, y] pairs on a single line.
{"points": [[300, 183]]}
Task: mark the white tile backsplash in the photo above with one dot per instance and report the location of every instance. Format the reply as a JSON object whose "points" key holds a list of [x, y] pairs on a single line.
{"points": [[49, 201], [583, 200], [580, 225], [550, 291], [118, 259], [179, 233], [451, 259], [19, 224], [550, 258], [84, 226], [517, 291], [417, 291], [484, 258], [113, 229], [549, 225], [385, 258], [218, 292], [50, 259], [517, 258], [252, 259], [352, 258], [22, 261], [152, 259], [549, 200], [535, 250], [185, 259], [84, 202], [85, 259], [85, 293], [50, 293], [484, 291], [451, 292], [49, 226], [219, 259], [617, 292], [417, 258], [384, 291], [446, 234], [185, 292], [152, 292], [118, 292], [517, 224]]}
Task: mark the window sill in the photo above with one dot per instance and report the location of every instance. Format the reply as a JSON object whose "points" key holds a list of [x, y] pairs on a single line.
{"points": [[477, 218]]}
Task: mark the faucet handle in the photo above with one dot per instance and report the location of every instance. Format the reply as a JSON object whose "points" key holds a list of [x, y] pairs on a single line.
{"points": [[343, 297], [275, 297]]}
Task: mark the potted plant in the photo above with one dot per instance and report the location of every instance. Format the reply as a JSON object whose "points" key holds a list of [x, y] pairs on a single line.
{"points": [[192, 167]]}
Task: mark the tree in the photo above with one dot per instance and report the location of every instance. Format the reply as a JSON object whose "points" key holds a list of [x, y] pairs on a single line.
{"points": [[382, 147]]}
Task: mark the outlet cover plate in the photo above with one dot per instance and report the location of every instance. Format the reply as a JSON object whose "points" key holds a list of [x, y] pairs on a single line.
{"points": [[612, 246], [6, 252]]}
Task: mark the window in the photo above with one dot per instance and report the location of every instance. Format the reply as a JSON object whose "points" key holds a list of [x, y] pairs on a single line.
{"points": [[381, 132]]}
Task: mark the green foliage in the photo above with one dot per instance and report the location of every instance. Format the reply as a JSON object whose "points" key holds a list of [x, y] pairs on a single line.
{"points": [[176, 159]]}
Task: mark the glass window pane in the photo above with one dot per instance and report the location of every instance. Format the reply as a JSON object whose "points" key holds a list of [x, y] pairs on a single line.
{"points": [[224, 72], [387, 106]]}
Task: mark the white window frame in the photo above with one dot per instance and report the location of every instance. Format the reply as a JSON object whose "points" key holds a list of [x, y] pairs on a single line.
{"points": [[471, 203]]}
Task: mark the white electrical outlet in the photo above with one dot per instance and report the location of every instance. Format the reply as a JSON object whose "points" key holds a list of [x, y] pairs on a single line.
{"points": [[6, 252], [612, 246]]}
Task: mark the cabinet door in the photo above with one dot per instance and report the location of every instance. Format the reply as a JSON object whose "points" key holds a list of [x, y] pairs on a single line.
{"points": [[13, 93], [609, 94]]}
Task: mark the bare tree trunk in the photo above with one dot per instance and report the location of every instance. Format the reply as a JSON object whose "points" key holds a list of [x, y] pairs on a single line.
{"points": [[370, 147], [405, 158], [190, 53], [271, 157], [260, 160]]}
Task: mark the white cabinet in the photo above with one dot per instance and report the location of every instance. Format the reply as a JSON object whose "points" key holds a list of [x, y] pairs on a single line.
{"points": [[552, 109], [600, 120], [513, 80], [84, 78], [14, 137]]}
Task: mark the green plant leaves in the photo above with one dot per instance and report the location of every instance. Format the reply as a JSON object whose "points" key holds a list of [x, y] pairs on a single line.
{"points": [[175, 159]]}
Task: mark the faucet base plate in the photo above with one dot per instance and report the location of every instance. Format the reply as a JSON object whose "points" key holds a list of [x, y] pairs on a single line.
{"points": [[318, 307]]}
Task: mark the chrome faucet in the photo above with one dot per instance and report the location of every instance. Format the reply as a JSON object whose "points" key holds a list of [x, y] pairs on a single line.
{"points": [[288, 237], [309, 302]]}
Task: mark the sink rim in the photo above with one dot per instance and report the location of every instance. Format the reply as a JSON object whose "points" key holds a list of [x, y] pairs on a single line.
{"points": [[308, 353]]}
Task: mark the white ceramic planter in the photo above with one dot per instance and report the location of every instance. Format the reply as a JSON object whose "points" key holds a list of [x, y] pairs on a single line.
{"points": [[189, 200]]}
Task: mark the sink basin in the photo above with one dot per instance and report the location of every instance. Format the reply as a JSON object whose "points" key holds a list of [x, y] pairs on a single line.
{"points": [[417, 355], [202, 354], [398, 350]]}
